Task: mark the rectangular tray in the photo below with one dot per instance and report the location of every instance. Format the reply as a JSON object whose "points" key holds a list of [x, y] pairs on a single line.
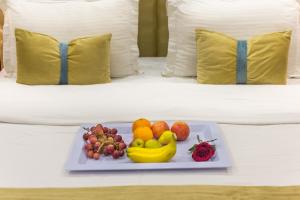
{"points": [[78, 161]]}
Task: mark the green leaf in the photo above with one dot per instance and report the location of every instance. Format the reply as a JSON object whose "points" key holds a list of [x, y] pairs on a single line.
{"points": [[192, 149]]}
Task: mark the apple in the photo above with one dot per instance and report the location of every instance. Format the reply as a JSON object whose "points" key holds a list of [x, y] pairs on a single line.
{"points": [[181, 129], [138, 143], [159, 127], [152, 144]]}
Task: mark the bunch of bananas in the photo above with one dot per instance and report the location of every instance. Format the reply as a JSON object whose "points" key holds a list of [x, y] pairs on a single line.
{"points": [[158, 155]]}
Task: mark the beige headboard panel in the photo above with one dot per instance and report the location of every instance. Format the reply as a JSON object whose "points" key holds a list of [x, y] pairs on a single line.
{"points": [[153, 28], [1, 37]]}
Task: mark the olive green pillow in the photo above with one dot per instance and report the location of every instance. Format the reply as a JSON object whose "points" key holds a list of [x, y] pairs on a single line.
{"points": [[222, 59], [42, 60]]}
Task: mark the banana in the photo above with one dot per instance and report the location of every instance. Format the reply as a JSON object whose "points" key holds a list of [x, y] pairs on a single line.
{"points": [[143, 155]]}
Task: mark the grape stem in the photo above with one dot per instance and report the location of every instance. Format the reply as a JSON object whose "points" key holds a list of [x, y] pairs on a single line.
{"points": [[86, 129]]}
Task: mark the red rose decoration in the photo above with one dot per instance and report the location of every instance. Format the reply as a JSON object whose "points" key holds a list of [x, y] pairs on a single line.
{"points": [[203, 151]]}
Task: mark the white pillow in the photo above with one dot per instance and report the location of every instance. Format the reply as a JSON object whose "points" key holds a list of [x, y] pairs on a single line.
{"points": [[240, 19], [66, 20]]}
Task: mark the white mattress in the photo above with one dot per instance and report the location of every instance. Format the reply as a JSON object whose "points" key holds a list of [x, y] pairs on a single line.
{"points": [[149, 95], [34, 143]]}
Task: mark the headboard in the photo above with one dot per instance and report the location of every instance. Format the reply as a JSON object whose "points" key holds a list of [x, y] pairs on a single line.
{"points": [[1, 37], [153, 28]]}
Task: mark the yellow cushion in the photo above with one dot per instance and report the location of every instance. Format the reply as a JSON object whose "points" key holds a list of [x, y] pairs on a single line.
{"points": [[40, 61], [266, 58]]}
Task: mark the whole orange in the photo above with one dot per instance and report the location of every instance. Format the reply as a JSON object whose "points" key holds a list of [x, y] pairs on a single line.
{"points": [[141, 123], [144, 133]]}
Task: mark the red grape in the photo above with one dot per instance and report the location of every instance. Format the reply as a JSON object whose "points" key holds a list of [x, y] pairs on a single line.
{"points": [[90, 154], [110, 148], [121, 153], [105, 152], [93, 139], [97, 144], [114, 131], [88, 147], [118, 138], [96, 156], [122, 146], [105, 129], [116, 154], [85, 136]]}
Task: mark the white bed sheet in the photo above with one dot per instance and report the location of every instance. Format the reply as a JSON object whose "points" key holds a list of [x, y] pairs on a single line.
{"points": [[152, 96], [34, 156], [34, 145]]}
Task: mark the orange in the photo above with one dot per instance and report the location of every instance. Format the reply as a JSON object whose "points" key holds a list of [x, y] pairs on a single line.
{"points": [[141, 123], [144, 133]]}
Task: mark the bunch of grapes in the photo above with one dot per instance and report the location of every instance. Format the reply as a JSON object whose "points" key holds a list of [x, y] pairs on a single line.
{"points": [[101, 140]]}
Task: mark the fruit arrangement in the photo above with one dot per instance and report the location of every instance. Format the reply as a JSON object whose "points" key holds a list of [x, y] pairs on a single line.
{"points": [[101, 140], [143, 129], [155, 143]]}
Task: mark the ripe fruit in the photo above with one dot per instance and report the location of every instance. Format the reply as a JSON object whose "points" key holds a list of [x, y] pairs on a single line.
{"points": [[90, 154], [110, 148], [166, 137], [103, 140], [144, 133], [105, 153], [152, 144], [105, 129], [141, 123], [88, 147], [162, 154], [181, 129], [118, 138], [116, 154], [121, 153], [114, 131], [93, 139], [85, 136], [138, 143], [98, 129], [122, 146], [159, 127], [96, 156]]}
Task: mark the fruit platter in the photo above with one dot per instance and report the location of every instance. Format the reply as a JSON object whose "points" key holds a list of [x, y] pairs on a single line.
{"points": [[146, 145]]}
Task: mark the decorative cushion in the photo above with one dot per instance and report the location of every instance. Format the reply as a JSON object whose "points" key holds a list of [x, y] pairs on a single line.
{"points": [[224, 60], [241, 19], [66, 20], [43, 60]]}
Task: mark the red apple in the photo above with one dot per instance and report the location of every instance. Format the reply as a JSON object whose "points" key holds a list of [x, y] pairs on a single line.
{"points": [[159, 127], [181, 129]]}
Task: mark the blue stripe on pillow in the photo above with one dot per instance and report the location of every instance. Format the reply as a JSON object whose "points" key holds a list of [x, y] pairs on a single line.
{"points": [[241, 63], [64, 63]]}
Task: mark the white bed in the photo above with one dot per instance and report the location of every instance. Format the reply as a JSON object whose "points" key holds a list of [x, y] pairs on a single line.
{"points": [[261, 125]]}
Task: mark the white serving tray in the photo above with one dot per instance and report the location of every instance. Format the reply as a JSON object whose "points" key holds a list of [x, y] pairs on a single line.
{"points": [[78, 161]]}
